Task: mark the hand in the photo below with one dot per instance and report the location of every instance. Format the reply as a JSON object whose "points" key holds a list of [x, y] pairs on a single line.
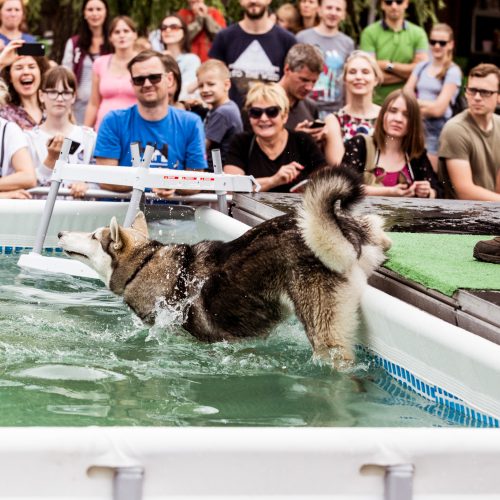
{"points": [[287, 173], [200, 9], [164, 193], [318, 134], [422, 189], [54, 146], [78, 189], [402, 190], [17, 194], [9, 53]]}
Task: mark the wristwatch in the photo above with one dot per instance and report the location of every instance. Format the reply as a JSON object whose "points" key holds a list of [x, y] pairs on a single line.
{"points": [[390, 67]]}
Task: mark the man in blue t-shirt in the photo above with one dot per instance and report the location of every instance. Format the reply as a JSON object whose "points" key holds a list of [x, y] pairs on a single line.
{"points": [[177, 134]]}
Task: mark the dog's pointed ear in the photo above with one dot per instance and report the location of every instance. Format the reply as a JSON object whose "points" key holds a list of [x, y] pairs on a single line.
{"points": [[140, 224], [114, 229]]}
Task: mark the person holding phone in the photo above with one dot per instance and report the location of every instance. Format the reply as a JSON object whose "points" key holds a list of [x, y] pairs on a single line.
{"points": [[393, 161], [12, 17], [277, 157], [57, 95]]}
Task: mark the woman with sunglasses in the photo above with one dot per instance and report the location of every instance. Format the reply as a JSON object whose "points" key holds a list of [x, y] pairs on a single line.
{"points": [[393, 161], [57, 95], [111, 85], [436, 84], [278, 158], [85, 47], [175, 41]]}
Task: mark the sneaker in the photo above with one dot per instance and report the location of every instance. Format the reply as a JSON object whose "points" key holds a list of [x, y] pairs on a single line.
{"points": [[488, 251]]}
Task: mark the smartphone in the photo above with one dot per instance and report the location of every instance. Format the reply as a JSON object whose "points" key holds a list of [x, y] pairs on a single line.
{"points": [[317, 124], [299, 187], [74, 146], [31, 49]]}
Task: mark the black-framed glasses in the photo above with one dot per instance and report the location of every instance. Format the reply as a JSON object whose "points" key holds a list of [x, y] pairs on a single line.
{"points": [[171, 27], [484, 93], [441, 43], [53, 94], [154, 78], [390, 2], [270, 112]]}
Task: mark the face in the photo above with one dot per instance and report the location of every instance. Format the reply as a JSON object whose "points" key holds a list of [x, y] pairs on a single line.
{"points": [[94, 13], [195, 3], [122, 36], [360, 79], [213, 88], [482, 106], [394, 11], [300, 83], [25, 76], [150, 94], [396, 119], [332, 13], [57, 100], [171, 31], [11, 14], [308, 8], [265, 126], [436, 40], [255, 9]]}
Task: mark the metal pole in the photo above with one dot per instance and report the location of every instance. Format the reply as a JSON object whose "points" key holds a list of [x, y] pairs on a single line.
{"points": [[51, 199], [221, 195], [127, 483], [398, 482]]}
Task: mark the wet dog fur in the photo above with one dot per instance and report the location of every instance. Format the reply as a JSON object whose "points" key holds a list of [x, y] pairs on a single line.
{"points": [[313, 262]]}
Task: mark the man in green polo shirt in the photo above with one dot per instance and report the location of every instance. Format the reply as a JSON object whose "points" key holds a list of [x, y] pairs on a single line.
{"points": [[397, 44]]}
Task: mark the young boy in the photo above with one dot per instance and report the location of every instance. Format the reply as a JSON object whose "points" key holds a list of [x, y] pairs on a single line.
{"points": [[224, 118]]}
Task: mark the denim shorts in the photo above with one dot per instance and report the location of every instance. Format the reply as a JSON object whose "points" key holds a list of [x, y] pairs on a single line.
{"points": [[432, 129]]}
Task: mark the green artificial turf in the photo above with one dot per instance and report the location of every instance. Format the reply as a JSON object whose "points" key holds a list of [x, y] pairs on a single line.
{"points": [[443, 262]]}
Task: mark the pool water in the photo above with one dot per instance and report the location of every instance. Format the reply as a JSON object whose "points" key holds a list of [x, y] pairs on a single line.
{"points": [[72, 354]]}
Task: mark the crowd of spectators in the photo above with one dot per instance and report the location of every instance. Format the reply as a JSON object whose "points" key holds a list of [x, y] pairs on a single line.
{"points": [[280, 94]]}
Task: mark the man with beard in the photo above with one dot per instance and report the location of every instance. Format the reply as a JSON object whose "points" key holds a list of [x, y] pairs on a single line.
{"points": [[396, 44], [254, 49], [177, 134]]}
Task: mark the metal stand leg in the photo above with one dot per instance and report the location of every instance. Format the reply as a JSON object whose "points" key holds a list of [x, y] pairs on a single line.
{"points": [[398, 482], [127, 483], [221, 195]]}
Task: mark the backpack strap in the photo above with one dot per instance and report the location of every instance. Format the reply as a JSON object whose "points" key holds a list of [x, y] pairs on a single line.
{"points": [[2, 148]]}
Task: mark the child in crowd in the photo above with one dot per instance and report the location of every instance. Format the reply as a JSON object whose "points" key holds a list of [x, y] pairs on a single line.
{"points": [[224, 118]]}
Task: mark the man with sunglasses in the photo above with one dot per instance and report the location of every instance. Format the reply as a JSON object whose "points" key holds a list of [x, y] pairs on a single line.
{"points": [[177, 134], [469, 152], [397, 45]]}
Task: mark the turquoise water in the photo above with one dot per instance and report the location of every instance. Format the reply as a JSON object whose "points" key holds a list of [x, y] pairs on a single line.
{"points": [[72, 354]]}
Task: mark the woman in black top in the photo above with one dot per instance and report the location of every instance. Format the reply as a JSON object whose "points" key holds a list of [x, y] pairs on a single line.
{"points": [[278, 158]]}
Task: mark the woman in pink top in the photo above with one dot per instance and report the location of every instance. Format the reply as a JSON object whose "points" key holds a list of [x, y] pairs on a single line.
{"points": [[111, 85]]}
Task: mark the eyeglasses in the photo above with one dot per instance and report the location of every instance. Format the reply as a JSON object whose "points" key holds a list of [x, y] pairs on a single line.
{"points": [[441, 43], [390, 2], [172, 27], [53, 94], [482, 92], [270, 112], [139, 81]]}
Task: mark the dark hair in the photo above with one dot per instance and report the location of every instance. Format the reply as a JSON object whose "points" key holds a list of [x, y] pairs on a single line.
{"points": [[43, 65], [305, 54], [59, 74], [85, 35], [413, 143], [485, 69], [169, 64], [186, 41]]}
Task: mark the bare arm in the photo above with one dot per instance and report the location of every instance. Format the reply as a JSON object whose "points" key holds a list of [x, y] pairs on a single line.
{"points": [[400, 71], [111, 187], [24, 176], [411, 84], [460, 174], [334, 142], [437, 108], [93, 104]]}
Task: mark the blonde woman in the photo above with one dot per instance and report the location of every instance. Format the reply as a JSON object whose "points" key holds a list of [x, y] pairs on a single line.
{"points": [[436, 83], [361, 75], [278, 158]]}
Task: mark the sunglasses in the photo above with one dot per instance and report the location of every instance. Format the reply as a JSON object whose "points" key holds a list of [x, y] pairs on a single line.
{"points": [[270, 112], [139, 81], [172, 27], [53, 94], [441, 43], [390, 2], [482, 92]]}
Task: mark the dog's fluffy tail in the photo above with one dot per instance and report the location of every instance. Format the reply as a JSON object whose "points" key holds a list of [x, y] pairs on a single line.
{"points": [[326, 219]]}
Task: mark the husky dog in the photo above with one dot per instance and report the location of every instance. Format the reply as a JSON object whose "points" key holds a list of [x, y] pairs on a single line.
{"points": [[315, 262]]}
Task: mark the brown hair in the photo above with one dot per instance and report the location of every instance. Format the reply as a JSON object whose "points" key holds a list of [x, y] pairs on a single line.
{"points": [[291, 14], [485, 69], [186, 41], [413, 143], [448, 60], [305, 55], [22, 26], [59, 74], [127, 20]]}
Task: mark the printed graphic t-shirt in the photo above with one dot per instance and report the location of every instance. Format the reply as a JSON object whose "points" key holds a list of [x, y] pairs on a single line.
{"points": [[250, 57], [179, 138]]}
